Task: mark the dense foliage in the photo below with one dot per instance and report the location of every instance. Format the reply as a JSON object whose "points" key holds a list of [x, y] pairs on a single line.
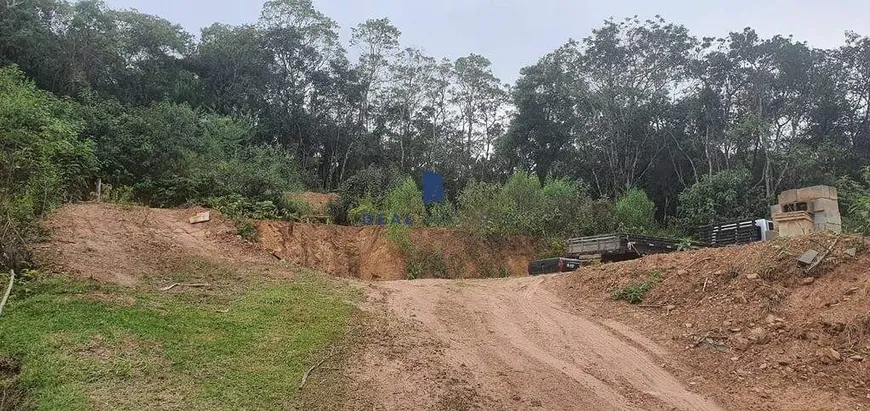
{"points": [[724, 196], [558, 208], [43, 162], [692, 130], [855, 202]]}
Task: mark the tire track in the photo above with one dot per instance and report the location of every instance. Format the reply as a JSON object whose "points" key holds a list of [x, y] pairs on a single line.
{"points": [[522, 349]]}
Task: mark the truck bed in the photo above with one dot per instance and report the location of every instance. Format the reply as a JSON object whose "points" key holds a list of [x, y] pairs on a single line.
{"points": [[620, 246]]}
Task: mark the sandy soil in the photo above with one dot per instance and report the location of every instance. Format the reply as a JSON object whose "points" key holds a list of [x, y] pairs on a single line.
{"points": [[510, 344], [120, 245]]}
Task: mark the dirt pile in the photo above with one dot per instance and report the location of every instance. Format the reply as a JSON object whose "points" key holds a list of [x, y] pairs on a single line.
{"points": [[120, 244], [368, 254], [759, 332]]}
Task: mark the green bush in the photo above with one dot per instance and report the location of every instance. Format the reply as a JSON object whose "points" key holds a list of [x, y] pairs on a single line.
{"points": [[403, 200], [239, 207], [295, 206], [400, 235], [855, 203], [43, 161], [725, 196], [372, 181], [523, 206], [426, 264], [366, 206], [441, 214], [246, 229], [635, 213], [482, 210], [118, 195], [171, 154]]}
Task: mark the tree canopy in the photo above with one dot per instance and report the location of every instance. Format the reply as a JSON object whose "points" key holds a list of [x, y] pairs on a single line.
{"points": [[707, 128]]}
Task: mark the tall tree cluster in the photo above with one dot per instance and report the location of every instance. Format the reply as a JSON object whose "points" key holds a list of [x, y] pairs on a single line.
{"points": [[637, 104], [289, 73], [646, 104]]}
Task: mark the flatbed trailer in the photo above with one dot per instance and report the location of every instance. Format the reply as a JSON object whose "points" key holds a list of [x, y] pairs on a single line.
{"points": [[619, 247]]}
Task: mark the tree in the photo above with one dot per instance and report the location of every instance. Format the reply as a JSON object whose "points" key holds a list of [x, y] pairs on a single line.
{"points": [[480, 98], [543, 130], [377, 39], [233, 67]]}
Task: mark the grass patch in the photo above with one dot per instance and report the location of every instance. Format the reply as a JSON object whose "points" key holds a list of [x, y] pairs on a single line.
{"points": [[84, 345], [635, 291]]}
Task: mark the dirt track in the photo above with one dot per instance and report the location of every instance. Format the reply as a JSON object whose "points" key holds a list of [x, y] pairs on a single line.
{"points": [[511, 344]]}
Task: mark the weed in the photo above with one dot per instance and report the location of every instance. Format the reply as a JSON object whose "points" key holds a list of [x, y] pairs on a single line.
{"points": [[413, 270], [247, 230], [400, 235], [686, 244], [635, 291], [122, 195], [426, 263], [12, 395], [553, 247]]}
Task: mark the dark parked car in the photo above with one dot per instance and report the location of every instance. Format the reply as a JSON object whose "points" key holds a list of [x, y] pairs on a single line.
{"points": [[553, 265]]}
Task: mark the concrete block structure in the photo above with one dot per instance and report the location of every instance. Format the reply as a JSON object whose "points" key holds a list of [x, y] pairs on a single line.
{"points": [[807, 210]]}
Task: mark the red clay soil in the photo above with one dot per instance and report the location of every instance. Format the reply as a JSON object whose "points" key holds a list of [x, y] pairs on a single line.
{"points": [[121, 244], [366, 252], [756, 330]]}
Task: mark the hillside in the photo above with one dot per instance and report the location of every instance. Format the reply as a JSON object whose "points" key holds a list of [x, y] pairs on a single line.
{"points": [[734, 328], [755, 330]]}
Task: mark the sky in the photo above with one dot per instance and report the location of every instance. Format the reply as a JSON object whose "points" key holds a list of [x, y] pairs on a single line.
{"points": [[516, 33]]}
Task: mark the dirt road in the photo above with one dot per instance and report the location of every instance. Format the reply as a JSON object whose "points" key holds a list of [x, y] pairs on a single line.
{"points": [[510, 344]]}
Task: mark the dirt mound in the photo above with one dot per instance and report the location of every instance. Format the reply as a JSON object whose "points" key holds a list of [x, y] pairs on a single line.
{"points": [[120, 244], [367, 253], [760, 332]]}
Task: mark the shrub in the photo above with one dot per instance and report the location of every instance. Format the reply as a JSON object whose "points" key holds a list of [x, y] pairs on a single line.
{"points": [[426, 264], [170, 154], [366, 206], [403, 200], [43, 162], [556, 210], [239, 207], [400, 235], [295, 206], [634, 212], [118, 195], [482, 210], [526, 205], [247, 230], [372, 181], [441, 214], [635, 291]]}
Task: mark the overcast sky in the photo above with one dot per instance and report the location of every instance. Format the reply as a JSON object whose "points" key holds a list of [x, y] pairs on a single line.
{"points": [[516, 33]]}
